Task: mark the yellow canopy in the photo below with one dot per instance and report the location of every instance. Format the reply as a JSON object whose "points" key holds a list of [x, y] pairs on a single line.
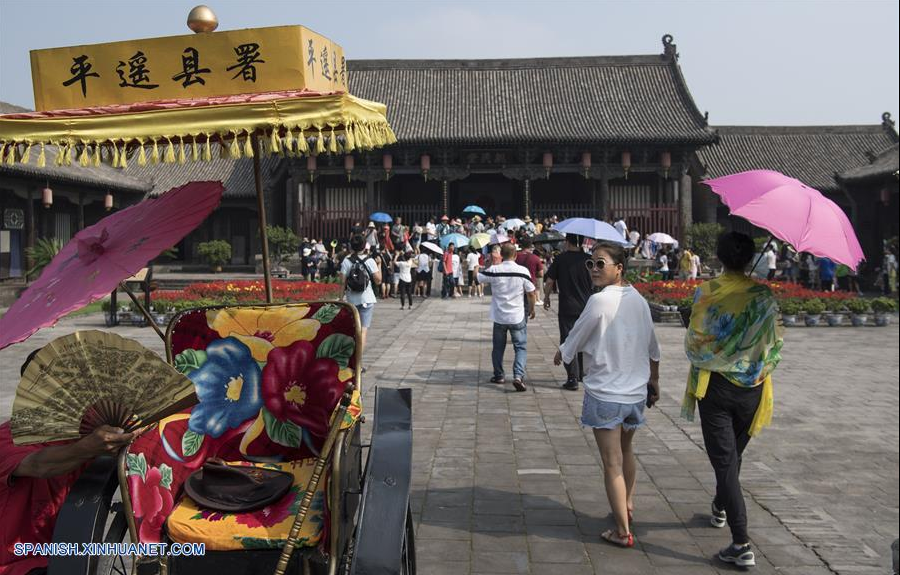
{"points": [[178, 131]]}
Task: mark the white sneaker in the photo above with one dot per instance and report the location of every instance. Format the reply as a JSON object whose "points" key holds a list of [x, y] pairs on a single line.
{"points": [[539, 302]]}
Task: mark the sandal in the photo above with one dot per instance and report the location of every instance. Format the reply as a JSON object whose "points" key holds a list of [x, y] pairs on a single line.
{"points": [[615, 538]]}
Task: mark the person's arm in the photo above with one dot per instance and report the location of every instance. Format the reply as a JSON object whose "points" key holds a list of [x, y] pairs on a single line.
{"points": [[654, 353], [531, 296], [61, 459], [549, 284], [376, 273], [581, 332]]}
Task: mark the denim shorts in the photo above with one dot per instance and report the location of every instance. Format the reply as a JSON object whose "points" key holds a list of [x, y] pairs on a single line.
{"points": [[608, 415], [365, 314]]}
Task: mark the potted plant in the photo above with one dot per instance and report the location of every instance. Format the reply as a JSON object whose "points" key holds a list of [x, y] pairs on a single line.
{"points": [[858, 308], [814, 309], [216, 253], [685, 306], [789, 310], [883, 306], [835, 315]]}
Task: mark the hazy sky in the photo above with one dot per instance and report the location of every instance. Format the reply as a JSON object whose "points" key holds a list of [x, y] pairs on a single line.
{"points": [[758, 62]]}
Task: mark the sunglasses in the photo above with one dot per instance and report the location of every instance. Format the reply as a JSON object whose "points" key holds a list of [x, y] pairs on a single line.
{"points": [[591, 265]]}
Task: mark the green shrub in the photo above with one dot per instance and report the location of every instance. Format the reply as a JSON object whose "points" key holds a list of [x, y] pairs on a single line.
{"points": [[43, 252], [883, 305], [813, 306], [835, 305], [702, 238], [215, 252], [790, 307], [858, 306], [283, 242]]}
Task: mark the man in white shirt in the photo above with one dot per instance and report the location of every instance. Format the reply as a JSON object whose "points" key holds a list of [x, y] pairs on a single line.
{"points": [[457, 273], [508, 282], [771, 263], [423, 274], [472, 264], [364, 300], [622, 228]]}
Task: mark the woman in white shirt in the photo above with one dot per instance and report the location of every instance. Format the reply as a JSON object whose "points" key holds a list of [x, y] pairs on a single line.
{"points": [[404, 277], [621, 363], [472, 264]]}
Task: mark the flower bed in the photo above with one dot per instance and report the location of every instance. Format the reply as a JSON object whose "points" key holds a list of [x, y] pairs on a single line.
{"points": [[239, 292], [681, 292]]}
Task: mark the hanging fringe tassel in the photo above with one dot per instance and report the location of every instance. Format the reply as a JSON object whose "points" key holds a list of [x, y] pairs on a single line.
{"points": [[142, 154], [274, 141], [235, 148], [26, 155], [302, 143], [249, 152], [154, 154], [288, 142], [224, 150], [84, 159], [170, 152], [60, 154], [320, 143], [115, 155], [97, 157], [332, 142], [123, 157], [207, 152], [349, 140], [42, 157], [10, 155], [182, 157]]}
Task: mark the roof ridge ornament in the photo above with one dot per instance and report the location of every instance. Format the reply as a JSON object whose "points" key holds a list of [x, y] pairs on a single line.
{"points": [[669, 47], [886, 120]]}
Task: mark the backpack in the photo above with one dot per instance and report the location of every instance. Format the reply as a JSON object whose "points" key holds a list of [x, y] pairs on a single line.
{"points": [[358, 277]]}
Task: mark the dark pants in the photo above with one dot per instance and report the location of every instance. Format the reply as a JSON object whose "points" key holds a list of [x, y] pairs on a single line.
{"points": [[405, 289], [574, 370], [448, 286], [725, 416]]}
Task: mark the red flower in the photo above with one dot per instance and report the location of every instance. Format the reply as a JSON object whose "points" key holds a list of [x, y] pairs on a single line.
{"points": [[298, 387], [273, 514], [152, 504]]}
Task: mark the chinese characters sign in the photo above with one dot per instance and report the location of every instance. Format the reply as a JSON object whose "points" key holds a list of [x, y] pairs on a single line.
{"points": [[191, 66]]}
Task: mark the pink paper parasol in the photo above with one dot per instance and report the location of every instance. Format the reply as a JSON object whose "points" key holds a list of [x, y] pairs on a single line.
{"points": [[93, 263], [791, 211]]}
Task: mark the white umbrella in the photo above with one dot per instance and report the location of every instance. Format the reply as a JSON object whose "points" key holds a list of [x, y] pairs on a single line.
{"points": [[432, 247], [661, 238], [513, 223], [497, 239]]}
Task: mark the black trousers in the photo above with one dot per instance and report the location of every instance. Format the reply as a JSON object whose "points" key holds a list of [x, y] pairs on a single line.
{"points": [[574, 370], [725, 417], [406, 291]]}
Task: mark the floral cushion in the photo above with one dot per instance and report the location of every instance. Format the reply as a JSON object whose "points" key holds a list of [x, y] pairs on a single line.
{"points": [[268, 379], [264, 528]]}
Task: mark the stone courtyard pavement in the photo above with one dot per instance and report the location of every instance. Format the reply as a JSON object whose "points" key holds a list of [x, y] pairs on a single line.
{"points": [[508, 482]]}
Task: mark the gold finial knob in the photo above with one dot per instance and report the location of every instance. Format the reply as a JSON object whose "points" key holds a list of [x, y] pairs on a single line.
{"points": [[202, 19]]}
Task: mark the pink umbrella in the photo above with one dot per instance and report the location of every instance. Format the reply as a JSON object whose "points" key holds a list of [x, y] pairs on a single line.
{"points": [[93, 263], [791, 211]]}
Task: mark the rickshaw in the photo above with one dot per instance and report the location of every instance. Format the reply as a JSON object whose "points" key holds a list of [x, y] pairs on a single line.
{"points": [[358, 518]]}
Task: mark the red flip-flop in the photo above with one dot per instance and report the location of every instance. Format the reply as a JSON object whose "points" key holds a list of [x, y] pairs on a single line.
{"points": [[611, 536]]}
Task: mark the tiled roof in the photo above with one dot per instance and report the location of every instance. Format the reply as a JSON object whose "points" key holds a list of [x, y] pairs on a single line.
{"points": [[7, 108], [885, 164], [812, 154], [236, 175], [593, 100]]}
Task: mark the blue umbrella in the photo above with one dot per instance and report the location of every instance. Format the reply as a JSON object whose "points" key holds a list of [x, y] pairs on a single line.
{"points": [[591, 228], [473, 209], [458, 240], [381, 218]]}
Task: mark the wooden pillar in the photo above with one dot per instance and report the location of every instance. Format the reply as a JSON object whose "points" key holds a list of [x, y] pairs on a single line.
{"points": [[684, 203], [370, 195], [80, 211], [526, 198], [604, 195]]}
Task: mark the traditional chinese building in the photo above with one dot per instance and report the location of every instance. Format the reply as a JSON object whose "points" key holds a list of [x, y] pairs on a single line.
{"points": [[604, 136], [54, 202], [818, 156]]}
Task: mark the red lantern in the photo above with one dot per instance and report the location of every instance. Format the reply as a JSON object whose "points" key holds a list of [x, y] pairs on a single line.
{"points": [[548, 162], [426, 165], [586, 163], [47, 197], [108, 201], [311, 167], [348, 165], [626, 163], [387, 162], [665, 159]]}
